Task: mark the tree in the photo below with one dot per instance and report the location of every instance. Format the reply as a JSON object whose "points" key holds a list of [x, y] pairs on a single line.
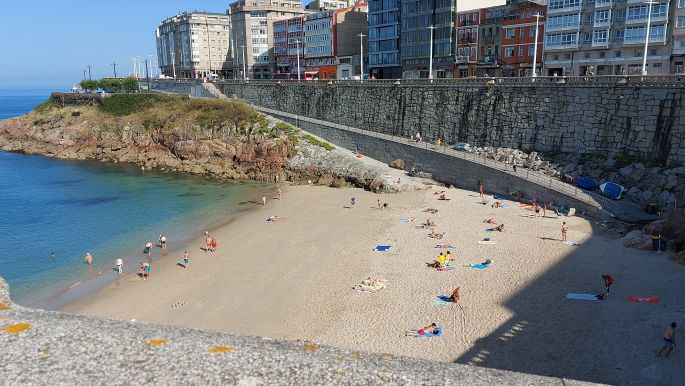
{"points": [[129, 84], [89, 85]]}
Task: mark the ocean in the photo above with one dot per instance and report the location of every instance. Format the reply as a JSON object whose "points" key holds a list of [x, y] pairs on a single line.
{"points": [[76, 207]]}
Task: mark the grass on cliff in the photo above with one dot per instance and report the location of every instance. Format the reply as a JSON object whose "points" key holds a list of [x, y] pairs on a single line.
{"points": [[121, 105], [317, 142]]}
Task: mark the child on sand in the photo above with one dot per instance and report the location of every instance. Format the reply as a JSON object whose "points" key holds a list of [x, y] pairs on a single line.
{"points": [[185, 257], [669, 340], [430, 329], [271, 219]]}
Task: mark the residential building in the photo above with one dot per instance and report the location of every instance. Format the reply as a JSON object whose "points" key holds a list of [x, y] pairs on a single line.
{"points": [[194, 44], [467, 43], [521, 31], [252, 33], [678, 37], [289, 45], [423, 22], [384, 34], [606, 37], [333, 35], [320, 5]]}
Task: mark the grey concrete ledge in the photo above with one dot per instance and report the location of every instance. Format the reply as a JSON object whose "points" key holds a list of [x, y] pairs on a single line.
{"points": [[61, 349]]}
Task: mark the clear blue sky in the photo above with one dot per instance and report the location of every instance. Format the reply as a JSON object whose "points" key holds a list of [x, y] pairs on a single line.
{"points": [[48, 43]]}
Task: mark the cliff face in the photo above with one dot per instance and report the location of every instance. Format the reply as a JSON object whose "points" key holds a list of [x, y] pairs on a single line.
{"points": [[83, 134]]}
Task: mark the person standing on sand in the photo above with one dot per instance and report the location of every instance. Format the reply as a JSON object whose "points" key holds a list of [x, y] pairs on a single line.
{"points": [[564, 231], [513, 164], [536, 207], [544, 210], [89, 259], [263, 200], [608, 281], [185, 257], [213, 245], [144, 270], [280, 194], [352, 201], [208, 244], [480, 188], [669, 340]]}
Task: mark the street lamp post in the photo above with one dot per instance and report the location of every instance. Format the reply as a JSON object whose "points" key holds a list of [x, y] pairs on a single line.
{"points": [[89, 77], [430, 55], [361, 56], [535, 48], [649, 21], [244, 65], [297, 45]]}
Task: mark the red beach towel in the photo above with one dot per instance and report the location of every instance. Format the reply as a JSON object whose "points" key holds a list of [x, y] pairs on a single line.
{"points": [[640, 299]]}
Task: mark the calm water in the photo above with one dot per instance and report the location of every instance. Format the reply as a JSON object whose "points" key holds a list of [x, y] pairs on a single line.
{"points": [[74, 207]]}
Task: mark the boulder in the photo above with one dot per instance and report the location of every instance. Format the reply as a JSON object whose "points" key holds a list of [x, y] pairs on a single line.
{"points": [[646, 195], [376, 184], [398, 164]]}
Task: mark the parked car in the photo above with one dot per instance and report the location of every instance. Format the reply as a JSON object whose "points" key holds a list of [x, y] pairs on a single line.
{"points": [[463, 146]]}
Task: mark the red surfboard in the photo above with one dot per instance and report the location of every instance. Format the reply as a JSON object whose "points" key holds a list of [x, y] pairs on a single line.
{"points": [[641, 299]]}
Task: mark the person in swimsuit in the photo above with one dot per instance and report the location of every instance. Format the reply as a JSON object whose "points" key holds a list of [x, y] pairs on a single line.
{"points": [[208, 244], [537, 209], [455, 296], [430, 329], [89, 259], [280, 194], [499, 228], [213, 245], [119, 265], [669, 340], [162, 241], [145, 270], [148, 249], [564, 231], [185, 257], [608, 281]]}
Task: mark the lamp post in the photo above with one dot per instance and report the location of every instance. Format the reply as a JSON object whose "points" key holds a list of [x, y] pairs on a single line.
{"points": [[89, 77], [535, 48], [244, 66], [361, 56], [115, 69], [649, 21], [430, 55], [297, 44]]}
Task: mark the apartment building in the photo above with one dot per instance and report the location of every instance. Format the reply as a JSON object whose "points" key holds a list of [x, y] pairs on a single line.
{"points": [[289, 45], [606, 37], [384, 35], [421, 23], [194, 44], [467, 43], [678, 37], [320, 5], [252, 23], [521, 31], [334, 35]]}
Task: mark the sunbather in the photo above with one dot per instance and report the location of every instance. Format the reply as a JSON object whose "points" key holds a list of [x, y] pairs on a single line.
{"points": [[455, 295], [430, 329], [497, 204], [499, 228], [490, 221], [431, 210], [440, 192], [442, 197], [436, 235]]}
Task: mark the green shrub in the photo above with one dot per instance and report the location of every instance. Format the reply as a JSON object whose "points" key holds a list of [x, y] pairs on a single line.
{"points": [[125, 104], [317, 142]]}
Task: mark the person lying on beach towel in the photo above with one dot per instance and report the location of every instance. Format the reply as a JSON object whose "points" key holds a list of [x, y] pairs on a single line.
{"points": [[440, 192], [443, 198], [272, 219], [436, 235], [430, 210], [499, 228], [497, 204], [371, 285], [443, 246], [490, 221], [430, 329]]}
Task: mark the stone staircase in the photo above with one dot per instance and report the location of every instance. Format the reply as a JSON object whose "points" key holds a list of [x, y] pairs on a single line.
{"points": [[212, 89]]}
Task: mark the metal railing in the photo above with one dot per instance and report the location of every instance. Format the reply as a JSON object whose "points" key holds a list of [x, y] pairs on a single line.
{"points": [[532, 176]]}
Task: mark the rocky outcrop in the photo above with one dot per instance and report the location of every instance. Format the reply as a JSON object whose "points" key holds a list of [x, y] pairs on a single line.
{"points": [[398, 164]]}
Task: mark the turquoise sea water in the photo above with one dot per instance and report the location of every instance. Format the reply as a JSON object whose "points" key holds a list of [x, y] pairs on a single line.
{"points": [[75, 207]]}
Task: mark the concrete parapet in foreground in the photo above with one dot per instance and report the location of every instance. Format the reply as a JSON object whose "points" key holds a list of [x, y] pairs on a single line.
{"points": [[45, 347]]}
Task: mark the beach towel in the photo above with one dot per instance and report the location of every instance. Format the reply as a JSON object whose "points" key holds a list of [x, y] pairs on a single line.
{"points": [[407, 219], [440, 304], [504, 205], [438, 332], [478, 266], [487, 242], [489, 230], [446, 268], [571, 243], [444, 298], [641, 299], [381, 248], [581, 297]]}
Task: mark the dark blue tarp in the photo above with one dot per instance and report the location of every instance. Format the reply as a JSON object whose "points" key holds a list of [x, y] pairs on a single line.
{"points": [[586, 183], [611, 190]]}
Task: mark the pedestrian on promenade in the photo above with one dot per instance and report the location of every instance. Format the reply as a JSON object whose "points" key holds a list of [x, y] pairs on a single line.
{"points": [[280, 194], [263, 200], [564, 231], [669, 340], [513, 164]]}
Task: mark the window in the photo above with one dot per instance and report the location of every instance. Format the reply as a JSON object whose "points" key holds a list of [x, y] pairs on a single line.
{"points": [[681, 3], [520, 51], [600, 37], [602, 55], [531, 32], [602, 17], [567, 56], [531, 50], [562, 4], [511, 33], [522, 32], [508, 52], [657, 65], [680, 22], [652, 52], [617, 54]]}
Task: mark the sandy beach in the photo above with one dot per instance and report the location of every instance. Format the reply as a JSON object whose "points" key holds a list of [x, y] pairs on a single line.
{"points": [[293, 279]]}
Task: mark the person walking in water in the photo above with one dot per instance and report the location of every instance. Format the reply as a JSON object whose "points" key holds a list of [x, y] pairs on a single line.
{"points": [[564, 231], [148, 249], [162, 241], [89, 259], [669, 340], [119, 265]]}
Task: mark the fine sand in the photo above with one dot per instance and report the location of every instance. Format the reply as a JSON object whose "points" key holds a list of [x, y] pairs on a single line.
{"points": [[293, 279]]}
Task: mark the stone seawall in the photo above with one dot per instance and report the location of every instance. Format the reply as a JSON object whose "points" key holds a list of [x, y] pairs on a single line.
{"points": [[617, 116]]}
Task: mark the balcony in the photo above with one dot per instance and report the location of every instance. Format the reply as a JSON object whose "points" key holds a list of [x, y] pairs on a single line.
{"points": [[574, 8], [600, 43], [488, 61], [601, 23], [599, 4], [562, 27], [561, 46], [641, 39], [465, 59]]}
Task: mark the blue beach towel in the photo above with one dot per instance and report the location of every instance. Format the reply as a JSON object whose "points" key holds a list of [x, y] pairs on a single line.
{"points": [[489, 230], [444, 298], [478, 266], [581, 297], [504, 205], [438, 332], [440, 304], [381, 248]]}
